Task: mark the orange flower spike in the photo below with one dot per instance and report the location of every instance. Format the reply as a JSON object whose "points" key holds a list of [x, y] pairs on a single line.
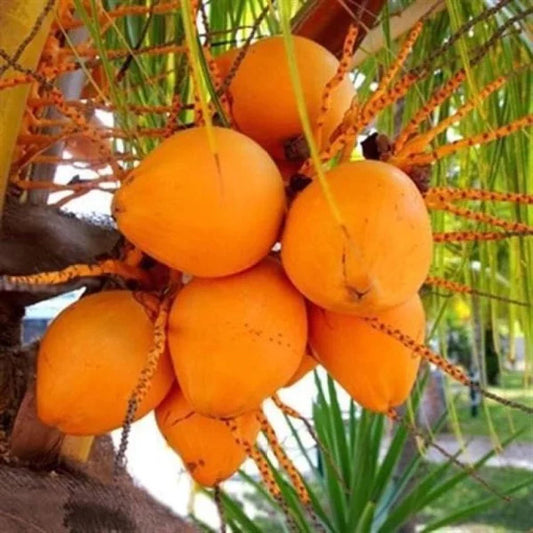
{"points": [[476, 140], [440, 362], [510, 226], [104, 268], [342, 71], [467, 236], [283, 459], [253, 452], [437, 98], [460, 288], [422, 141], [399, 61], [436, 196]]}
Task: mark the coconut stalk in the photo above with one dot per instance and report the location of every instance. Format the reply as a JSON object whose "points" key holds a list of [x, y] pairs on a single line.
{"points": [[76, 448]]}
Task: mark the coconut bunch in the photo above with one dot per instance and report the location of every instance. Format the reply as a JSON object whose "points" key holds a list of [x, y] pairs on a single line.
{"points": [[228, 321]]}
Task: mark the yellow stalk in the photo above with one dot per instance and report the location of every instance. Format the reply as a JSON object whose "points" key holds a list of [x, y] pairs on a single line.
{"points": [[76, 448], [308, 129], [17, 18], [302, 111], [194, 59]]}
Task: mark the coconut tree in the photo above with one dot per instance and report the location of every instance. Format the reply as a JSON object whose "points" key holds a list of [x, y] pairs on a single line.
{"points": [[149, 65], [38, 237]]}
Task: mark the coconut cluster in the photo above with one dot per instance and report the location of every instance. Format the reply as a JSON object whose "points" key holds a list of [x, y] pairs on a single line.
{"points": [[211, 203]]}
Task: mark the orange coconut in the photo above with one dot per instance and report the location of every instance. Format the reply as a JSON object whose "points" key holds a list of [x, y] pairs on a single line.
{"points": [[207, 446], [376, 370], [307, 364], [234, 341], [225, 61], [89, 363], [205, 213], [376, 257], [263, 102]]}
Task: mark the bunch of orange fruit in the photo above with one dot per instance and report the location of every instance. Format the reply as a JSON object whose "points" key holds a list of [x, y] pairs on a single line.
{"points": [[211, 202]]}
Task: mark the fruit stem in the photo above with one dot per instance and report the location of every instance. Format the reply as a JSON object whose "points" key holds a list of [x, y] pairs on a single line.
{"points": [[76, 448]]}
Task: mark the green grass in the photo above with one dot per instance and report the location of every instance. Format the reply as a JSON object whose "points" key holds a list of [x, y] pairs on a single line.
{"points": [[504, 419], [513, 516]]}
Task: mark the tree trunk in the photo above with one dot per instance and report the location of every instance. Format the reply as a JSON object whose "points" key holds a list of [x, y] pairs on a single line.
{"points": [[76, 500]]}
